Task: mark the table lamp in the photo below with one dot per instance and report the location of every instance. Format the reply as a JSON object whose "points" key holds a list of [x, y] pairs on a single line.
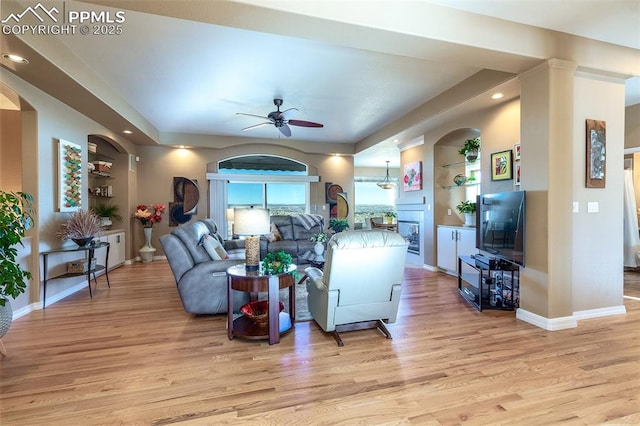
{"points": [[252, 223], [230, 220]]}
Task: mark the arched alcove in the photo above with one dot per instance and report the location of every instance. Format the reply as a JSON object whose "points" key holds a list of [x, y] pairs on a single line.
{"points": [[116, 188], [449, 164]]}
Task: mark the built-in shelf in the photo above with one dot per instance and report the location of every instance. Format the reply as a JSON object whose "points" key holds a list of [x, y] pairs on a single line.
{"points": [[460, 186], [101, 174], [458, 163]]}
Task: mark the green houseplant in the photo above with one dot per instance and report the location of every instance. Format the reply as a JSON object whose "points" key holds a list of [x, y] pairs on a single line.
{"points": [[16, 217], [320, 237], [468, 208], [338, 225], [390, 215], [107, 213], [276, 262], [470, 149]]}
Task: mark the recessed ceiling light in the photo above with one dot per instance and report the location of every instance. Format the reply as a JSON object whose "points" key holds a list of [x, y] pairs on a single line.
{"points": [[128, 132], [15, 58], [497, 96]]}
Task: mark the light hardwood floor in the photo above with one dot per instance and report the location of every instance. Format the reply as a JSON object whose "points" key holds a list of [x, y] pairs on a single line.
{"points": [[131, 355]]}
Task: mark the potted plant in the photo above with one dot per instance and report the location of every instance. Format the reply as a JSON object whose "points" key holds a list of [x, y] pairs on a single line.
{"points": [[276, 262], [470, 149], [319, 239], [338, 225], [107, 213], [16, 217], [389, 216], [81, 228], [468, 208]]}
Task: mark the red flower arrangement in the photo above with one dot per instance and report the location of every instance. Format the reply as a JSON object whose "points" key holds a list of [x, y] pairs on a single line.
{"points": [[149, 215]]}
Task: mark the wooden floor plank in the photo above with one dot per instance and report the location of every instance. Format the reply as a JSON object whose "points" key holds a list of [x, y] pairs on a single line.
{"points": [[131, 355]]}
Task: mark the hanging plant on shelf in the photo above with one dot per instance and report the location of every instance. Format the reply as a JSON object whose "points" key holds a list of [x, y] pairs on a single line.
{"points": [[470, 149]]}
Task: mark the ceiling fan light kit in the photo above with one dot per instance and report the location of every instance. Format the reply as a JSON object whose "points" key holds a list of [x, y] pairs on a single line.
{"points": [[281, 119], [386, 183]]}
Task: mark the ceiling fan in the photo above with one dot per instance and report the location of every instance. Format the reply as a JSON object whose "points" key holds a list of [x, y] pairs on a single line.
{"points": [[281, 119]]}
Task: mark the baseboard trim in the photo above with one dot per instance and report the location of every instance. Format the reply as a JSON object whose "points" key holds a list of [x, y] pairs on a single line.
{"points": [[139, 259], [554, 324], [600, 312], [550, 324], [430, 268], [25, 310], [50, 300]]}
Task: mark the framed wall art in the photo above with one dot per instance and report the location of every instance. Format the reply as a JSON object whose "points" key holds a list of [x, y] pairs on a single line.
{"points": [[412, 179], [596, 154], [516, 179], [69, 176], [516, 152], [502, 165]]}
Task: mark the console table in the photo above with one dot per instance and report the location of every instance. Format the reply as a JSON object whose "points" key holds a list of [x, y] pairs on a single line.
{"points": [[89, 251], [240, 279]]}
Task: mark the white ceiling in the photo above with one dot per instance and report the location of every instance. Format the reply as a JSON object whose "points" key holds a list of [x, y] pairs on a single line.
{"points": [[190, 69]]}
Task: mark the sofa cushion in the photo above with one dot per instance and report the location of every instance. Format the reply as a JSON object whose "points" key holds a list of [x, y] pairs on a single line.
{"points": [[191, 236], [283, 222], [213, 247], [305, 225]]}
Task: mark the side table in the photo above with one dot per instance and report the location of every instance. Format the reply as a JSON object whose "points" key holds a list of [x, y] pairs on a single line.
{"points": [[240, 279], [89, 250]]}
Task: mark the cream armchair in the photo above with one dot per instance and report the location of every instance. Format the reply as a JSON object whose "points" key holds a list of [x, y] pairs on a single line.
{"points": [[361, 283]]}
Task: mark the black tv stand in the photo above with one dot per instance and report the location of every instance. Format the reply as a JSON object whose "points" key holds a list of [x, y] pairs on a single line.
{"points": [[494, 284]]}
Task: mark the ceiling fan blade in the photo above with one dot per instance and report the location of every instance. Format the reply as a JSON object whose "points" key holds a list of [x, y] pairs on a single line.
{"points": [[285, 130], [252, 115], [287, 114], [303, 123], [257, 125]]}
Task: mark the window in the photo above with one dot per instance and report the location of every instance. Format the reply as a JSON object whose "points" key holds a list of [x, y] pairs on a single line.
{"points": [[371, 201], [281, 196]]}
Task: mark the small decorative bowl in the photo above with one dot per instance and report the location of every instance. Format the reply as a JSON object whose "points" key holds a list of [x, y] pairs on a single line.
{"points": [[459, 179], [82, 241], [258, 310]]}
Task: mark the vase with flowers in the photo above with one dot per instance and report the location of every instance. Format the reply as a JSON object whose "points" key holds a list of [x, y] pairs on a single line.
{"points": [[320, 239], [148, 215]]}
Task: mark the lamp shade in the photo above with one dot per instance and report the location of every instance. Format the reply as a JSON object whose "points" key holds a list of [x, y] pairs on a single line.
{"points": [[251, 222]]}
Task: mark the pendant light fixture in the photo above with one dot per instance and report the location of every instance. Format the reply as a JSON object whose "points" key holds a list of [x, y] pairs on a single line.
{"points": [[386, 183]]}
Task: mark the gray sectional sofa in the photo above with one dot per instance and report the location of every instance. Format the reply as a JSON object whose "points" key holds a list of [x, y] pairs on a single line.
{"points": [[201, 282], [295, 231]]}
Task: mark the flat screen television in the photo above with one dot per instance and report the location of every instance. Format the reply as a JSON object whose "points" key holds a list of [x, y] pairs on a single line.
{"points": [[501, 225]]}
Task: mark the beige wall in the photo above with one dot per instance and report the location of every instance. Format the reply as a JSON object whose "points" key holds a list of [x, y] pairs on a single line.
{"points": [[574, 260], [499, 129], [159, 165], [10, 150], [49, 121], [597, 237], [632, 126]]}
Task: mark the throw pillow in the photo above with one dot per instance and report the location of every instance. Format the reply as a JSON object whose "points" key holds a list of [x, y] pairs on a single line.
{"points": [[214, 248], [274, 235], [276, 232]]}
